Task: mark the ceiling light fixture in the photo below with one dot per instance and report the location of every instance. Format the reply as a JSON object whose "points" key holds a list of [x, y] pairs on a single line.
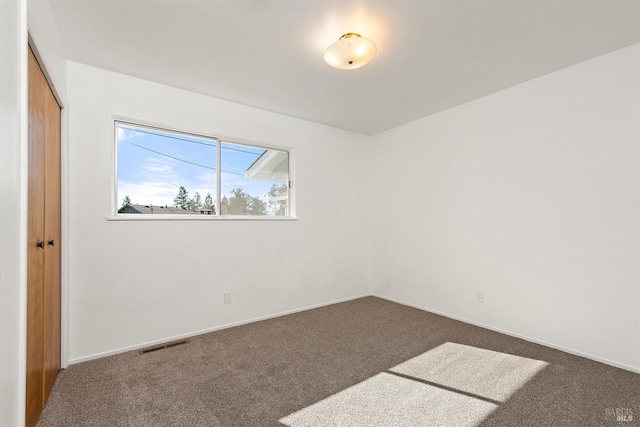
{"points": [[350, 51]]}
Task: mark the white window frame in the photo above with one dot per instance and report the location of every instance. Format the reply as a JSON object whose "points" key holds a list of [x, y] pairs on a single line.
{"points": [[115, 216]]}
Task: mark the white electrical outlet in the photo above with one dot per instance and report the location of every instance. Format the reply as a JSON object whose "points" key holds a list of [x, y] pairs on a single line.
{"points": [[480, 297], [227, 297]]}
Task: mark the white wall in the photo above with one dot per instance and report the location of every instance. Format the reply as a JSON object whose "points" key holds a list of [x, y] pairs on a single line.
{"points": [[13, 156], [530, 195], [135, 282], [44, 33]]}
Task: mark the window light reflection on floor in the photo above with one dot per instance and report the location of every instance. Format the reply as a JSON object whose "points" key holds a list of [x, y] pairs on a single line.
{"points": [[485, 373], [452, 384]]}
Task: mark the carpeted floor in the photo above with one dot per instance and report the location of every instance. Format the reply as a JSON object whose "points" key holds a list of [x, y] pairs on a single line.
{"points": [[367, 362]]}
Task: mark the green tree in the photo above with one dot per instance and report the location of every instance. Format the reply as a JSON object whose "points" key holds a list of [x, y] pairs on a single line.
{"points": [[256, 206], [196, 202], [208, 203], [242, 203], [182, 199], [238, 202], [126, 201], [225, 206], [278, 207]]}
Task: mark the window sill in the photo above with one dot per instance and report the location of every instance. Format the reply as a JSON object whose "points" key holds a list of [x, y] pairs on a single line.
{"points": [[166, 217]]}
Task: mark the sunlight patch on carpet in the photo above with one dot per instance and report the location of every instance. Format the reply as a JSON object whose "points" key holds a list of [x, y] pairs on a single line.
{"points": [[390, 400], [489, 374], [450, 385]]}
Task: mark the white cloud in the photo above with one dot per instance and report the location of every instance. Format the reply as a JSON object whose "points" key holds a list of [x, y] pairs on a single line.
{"points": [[125, 134], [207, 177], [145, 193], [159, 166], [158, 193]]}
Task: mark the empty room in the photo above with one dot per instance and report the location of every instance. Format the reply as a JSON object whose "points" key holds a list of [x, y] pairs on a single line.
{"points": [[320, 213]]}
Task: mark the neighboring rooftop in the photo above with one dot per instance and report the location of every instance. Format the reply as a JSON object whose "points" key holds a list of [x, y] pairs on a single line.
{"points": [[131, 208]]}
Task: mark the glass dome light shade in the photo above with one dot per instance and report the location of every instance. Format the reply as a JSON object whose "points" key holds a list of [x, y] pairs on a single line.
{"points": [[350, 51]]}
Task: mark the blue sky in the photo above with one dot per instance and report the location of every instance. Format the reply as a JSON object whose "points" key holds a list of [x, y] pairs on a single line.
{"points": [[152, 165]]}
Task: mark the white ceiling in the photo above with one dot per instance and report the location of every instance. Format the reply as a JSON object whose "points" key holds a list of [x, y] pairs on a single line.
{"points": [[432, 54]]}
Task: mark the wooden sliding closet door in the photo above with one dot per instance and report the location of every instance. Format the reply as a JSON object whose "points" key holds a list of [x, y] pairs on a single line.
{"points": [[52, 222], [43, 253], [35, 251]]}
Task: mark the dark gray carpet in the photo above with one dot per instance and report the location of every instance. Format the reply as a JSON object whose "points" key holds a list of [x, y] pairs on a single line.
{"points": [[367, 362]]}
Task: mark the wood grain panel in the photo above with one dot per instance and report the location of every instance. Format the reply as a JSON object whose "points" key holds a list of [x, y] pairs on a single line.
{"points": [[35, 254], [52, 243]]}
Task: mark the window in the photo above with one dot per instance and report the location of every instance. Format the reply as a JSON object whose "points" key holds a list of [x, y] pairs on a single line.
{"points": [[163, 172]]}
